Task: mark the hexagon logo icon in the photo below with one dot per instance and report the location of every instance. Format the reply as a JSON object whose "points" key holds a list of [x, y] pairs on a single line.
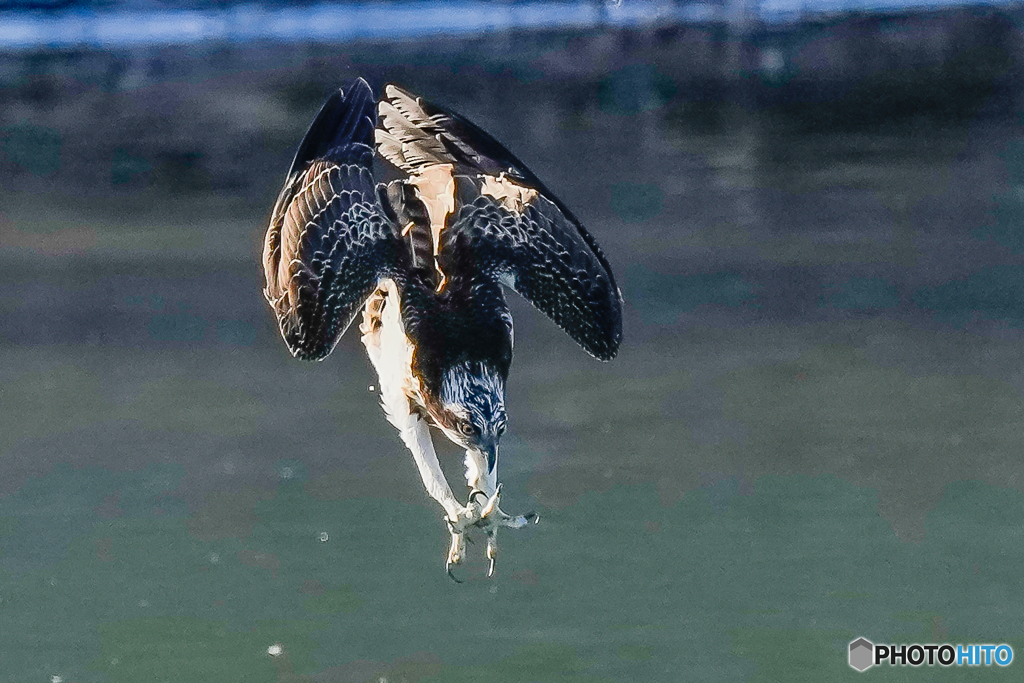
{"points": [[861, 651]]}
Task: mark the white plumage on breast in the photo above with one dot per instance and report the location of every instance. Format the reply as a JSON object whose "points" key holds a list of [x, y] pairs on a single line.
{"points": [[390, 351]]}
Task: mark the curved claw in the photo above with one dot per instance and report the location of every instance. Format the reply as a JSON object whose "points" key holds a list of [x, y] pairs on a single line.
{"points": [[488, 517], [492, 551], [448, 568], [456, 553], [519, 521]]}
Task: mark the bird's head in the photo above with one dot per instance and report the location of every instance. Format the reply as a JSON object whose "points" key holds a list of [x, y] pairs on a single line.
{"points": [[472, 407]]}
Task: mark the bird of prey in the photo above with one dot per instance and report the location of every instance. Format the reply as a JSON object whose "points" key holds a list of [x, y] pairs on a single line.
{"points": [[424, 259]]}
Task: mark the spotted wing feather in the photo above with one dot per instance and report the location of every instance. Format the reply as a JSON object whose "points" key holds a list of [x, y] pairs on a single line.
{"points": [[538, 253], [528, 238], [329, 239]]}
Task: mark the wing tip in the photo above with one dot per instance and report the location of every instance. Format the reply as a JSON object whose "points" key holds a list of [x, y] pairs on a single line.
{"points": [[609, 350], [300, 346], [349, 115], [361, 83]]}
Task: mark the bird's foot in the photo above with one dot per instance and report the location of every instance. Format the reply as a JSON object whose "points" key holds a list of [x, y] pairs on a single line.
{"points": [[456, 552], [483, 513]]}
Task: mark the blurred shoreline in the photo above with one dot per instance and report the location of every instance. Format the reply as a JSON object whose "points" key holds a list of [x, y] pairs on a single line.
{"points": [[126, 26], [219, 116], [60, 24]]}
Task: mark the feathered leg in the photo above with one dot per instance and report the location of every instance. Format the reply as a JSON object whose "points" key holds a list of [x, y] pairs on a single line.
{"points": [[486, 492], [477, 476], [390, 352]]}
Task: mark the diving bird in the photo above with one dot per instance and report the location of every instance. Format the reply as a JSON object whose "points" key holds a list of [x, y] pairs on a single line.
{"points": [[424, 259]]}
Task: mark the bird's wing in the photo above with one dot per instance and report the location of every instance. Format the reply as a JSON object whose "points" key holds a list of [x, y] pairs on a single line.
{"points": [[504, 220], [534, 250], [329, 240]]}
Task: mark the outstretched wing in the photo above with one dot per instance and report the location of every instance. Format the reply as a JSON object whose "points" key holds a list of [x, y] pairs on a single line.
{"points": [[329, 240], [506, 223], [534, 250]]}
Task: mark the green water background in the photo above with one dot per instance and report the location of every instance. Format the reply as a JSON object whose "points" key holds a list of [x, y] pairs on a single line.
{"points": [[812, 432]]}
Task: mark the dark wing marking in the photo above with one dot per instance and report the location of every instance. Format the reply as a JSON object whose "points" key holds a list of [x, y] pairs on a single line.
{"points": [[329, 240], [538, 253], [529, 239], [407, 211]]}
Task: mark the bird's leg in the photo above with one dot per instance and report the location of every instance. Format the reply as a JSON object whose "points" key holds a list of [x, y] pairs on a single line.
{"points": [[485, 494], [390, 353], [479, 476], [458, 517], [417, 439]]}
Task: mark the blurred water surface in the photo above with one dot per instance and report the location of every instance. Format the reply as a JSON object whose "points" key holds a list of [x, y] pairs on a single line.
{"points": [[811, 434], [324, 21], [123, 24]]}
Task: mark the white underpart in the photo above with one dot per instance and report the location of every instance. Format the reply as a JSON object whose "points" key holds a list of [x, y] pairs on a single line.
{"points": [[477, 475], [391, 354]]}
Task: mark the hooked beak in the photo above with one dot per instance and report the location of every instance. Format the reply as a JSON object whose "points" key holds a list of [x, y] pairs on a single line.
{"points": [[489, 448]]}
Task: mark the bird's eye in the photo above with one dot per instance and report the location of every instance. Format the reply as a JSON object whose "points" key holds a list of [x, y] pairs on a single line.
{"points": [[467, 429]]}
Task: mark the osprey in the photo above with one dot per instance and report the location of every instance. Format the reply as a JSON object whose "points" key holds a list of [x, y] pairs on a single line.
{"points": [[424, 258]]}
